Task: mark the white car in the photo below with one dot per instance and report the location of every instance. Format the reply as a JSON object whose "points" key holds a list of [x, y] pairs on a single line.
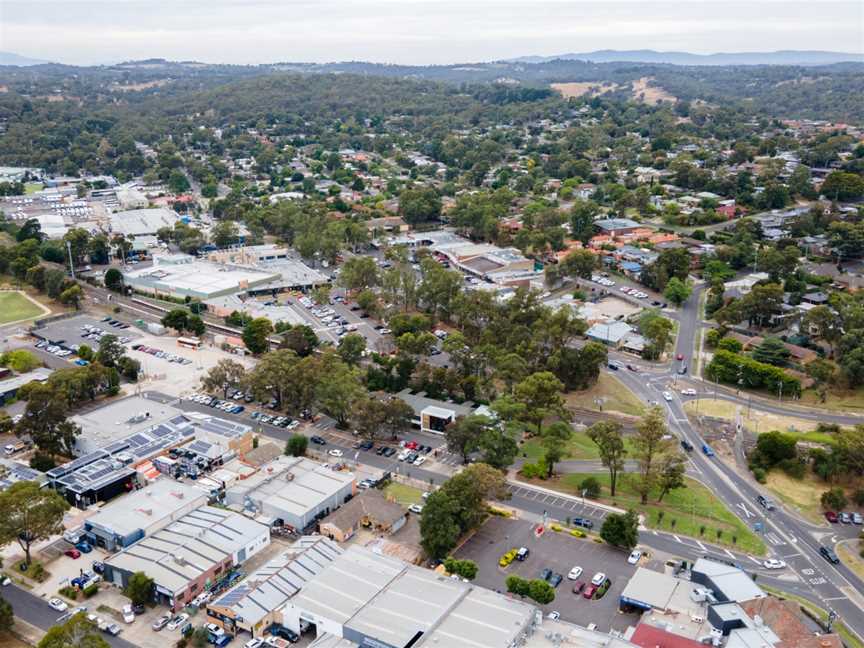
{"points": [[257, 642], [773, 563], [56, 604], [335, 452], [688, 392], [599, 579], [634, 556], [416, 508], [667, 395], [575, 573], [419, 461], [554, 615], [128, 614], [178, 621]]}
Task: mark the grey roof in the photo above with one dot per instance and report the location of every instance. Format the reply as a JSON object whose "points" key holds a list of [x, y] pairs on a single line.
{"points": [[279, 580], [420, 402], [391, 601], [40, 374], [135, 222], [611, 332], [733, 583], [12, 471], [610, 224], [189, 547]]}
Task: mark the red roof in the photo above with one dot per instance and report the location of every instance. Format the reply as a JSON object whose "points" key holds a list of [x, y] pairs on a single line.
{"points": [[649, 636]]}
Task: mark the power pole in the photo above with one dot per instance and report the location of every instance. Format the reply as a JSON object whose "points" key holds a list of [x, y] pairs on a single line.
{"points": [[71, 265]]}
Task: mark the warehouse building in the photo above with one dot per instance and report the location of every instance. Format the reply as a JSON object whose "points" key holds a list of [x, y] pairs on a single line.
{"points": [[182, 275], [141, 222], [727, 583], [189, 554], [120, 419], [257, 602], [126, 520], [375, 600], [291, 491]]}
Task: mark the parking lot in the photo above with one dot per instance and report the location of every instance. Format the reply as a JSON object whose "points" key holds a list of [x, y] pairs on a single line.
{"points": [[559, 552], [72, 334]]}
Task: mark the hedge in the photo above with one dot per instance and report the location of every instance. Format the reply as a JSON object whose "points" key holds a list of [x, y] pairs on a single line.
{"points": [[727, 367]]}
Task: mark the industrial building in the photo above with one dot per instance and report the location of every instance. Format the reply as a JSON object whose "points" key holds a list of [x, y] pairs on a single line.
{"points": [[256, 603], [373, 600], [433, 415], [291, 491], [371, 510], [189, 554], [182, 275], [124, 521], [141, 222], [727, 583]]}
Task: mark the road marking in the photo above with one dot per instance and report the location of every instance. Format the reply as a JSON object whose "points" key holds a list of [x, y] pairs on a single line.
{"points": [[750, 557], [835, 598], [745, 509], [677, 539], [729, 553], [701, 546]]}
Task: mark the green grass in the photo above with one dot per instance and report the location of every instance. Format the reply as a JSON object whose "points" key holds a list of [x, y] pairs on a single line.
{"points": [[579, 447], [848, 401], [404, 495], [691, 508], [15, 306], [32, 187], [850, 639], [616, 397]]}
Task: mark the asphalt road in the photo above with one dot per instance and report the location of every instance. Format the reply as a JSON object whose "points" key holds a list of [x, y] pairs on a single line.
{"points": [[35, 611]]}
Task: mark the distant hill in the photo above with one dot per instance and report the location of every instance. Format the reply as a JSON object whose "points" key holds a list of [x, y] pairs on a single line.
{"points": [[785, 57], [10, 58]]}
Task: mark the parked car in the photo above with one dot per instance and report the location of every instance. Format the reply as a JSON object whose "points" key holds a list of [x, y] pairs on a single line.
{"points": [[73, 553], [56, 604], [845, 518], [578, 586], [416, 508], [598, 579], [555, 580], [522, 554], [178, 621], [545, 574], [508, 557], [831, 516], [574, 573], [128, 614], [634, 557], [589, 591], [161, 622], [857, 519], [317, 440], [773, 563], [84, 547]]}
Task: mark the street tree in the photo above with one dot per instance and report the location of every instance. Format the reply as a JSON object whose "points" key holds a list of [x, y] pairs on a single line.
{"points": [[224, 375], [398, 416], [649, 449], [339, 391], [463, 434], [30, 514], [673, 467], [45, 422], [72, 296], [359, 273], [609, 439], [351, 348], [677, 291], [195, 325], [114, 280], [297, 445], [368, 416], [580, 263], [110, 351], [554, 440], [299, 338], [498, 445], [139, 588], [77, 632], [621, 530], [176, 319], [7, 615], [439, 526]]}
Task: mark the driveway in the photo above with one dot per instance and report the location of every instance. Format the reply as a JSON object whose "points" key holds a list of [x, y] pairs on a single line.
{"points": [[559, 552]]}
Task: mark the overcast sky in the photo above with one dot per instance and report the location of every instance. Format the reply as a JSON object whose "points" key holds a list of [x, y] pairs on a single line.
{"points": [[414, 31]]}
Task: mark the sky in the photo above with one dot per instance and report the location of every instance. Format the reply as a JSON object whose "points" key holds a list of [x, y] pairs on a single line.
{"points": [[414, 31]]}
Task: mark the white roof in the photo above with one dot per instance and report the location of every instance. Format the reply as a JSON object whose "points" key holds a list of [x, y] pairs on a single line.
{"points": [[134, 222]]}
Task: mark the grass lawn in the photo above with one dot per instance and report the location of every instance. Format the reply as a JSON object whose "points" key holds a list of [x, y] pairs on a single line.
{"points": [[616, 397], [15, 306], [579, 447], [844, 401], [848, 552], [32, 187], [801, 494], [849, 639], [405, 495], [689, 509]]}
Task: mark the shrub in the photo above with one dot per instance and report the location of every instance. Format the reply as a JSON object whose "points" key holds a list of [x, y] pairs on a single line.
{"points": [[517, 585], [534, 470], [42, 462], [834, 499], [68, 592], [591, 487], [759, 474], [858, 497], [793, 468], [577, 533], [541, 591], [90, 590]]}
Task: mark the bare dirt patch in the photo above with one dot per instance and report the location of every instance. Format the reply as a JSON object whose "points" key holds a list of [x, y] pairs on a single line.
{"points": [[650, 94], [580, 88], [138, 87]]}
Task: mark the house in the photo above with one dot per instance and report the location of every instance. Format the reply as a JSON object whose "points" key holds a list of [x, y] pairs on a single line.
{"points": [[610, 332], [389, 224], [616, 226], [9, 387], [370, 509], [816, 298]]}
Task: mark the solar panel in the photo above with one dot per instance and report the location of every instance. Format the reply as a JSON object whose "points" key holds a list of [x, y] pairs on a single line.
{"points": [[137, 440]]}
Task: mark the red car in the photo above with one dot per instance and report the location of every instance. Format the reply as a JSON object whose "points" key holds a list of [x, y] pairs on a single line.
{"points": [[831, 516], [680, 356], [411, 445], [73, 553], [589, 591], [578, 587]]}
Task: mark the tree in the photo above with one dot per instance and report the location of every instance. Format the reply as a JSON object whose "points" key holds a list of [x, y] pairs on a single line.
{"points": [[580, 263], [129, 368], [621, 530], [224, 233], [177, 319], [224, 375], [419, 205], [677, 291], [649, 447], [359, 273], [140, 588], [368, 417], [338, 393], [114, 280], [195, 325], [72, 296], [554, 440], [671, 474], [773, 448], [833, 499], [256, 335], [517, 585], [368, 302], [178, 183], [20, 360], [110, 351], [466, 569], [590, 487], [772, 351], [609, 439], [439, 529], [296, 446], [498, 445], [463, 434], [541, 591], [45, 421], [398, 416], [843, 186], [30, 514], [77, 632], [657, 330], [540, 393], [300, 338], [351, 348]]}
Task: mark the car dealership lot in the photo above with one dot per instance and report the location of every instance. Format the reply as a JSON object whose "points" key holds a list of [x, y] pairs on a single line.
{"points": [[559, 552]]}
